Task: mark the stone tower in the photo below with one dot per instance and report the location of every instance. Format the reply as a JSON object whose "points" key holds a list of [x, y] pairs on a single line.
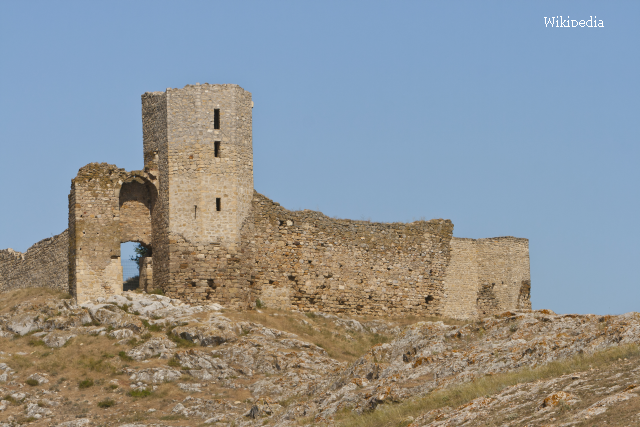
{"points": [[198, 143]]}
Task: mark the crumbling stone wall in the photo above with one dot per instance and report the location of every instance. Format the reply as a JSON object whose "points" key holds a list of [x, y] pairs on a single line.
{"points": [[307, 261], [486, 276], [43, 265], [503, 264], [96, 229], [461, 282]]}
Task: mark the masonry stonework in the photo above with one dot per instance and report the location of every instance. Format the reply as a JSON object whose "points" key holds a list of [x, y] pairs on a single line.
{"points": [[43, 265], [214, 239], [486, 276]]}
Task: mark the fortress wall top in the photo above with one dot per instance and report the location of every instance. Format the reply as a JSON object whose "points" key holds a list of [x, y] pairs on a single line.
{"points": [[307, 261], [44, 264]]}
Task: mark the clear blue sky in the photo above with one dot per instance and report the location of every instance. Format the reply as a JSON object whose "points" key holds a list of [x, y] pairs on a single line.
{"points": [[389, 111]]}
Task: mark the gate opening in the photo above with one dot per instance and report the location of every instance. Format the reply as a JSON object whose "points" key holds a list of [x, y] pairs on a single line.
{"points": [[131, 255]]}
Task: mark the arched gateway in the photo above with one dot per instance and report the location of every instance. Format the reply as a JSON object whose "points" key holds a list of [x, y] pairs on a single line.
{"points": [[107, 206]]}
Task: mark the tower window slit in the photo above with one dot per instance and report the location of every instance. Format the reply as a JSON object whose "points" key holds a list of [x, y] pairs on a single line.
{"points": [[216, 149], [216, 118], [218, 204], [195, 212]]}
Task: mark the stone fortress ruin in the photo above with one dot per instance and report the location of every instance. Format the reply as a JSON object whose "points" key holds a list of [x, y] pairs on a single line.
{"points": [[214, 239]]}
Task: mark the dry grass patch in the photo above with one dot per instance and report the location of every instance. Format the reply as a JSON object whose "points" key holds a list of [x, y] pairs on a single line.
{"points": [[412, 319], [392, 414], [35, 295], [318, 330], [88, 357]]}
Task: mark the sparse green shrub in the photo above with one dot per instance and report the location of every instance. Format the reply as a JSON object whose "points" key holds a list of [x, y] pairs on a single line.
{"points": [[181, 342], [112, 386], [11, 399], [157, 292], [94, 322], [85, 383], [122, 355], [259, 303], [32, 382], [150, 327], [141, 392], [173, 362], [107, 403]]}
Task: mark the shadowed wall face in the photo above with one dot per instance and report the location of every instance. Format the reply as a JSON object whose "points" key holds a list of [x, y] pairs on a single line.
{"points": [[137, 199]]}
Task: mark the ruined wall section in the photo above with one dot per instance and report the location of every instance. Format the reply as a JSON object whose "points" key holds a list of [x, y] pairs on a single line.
{"points": [[94, 232], [307, 261], [503, 265], [487, 276], [96, 229], [43, 265], [461, 281]]}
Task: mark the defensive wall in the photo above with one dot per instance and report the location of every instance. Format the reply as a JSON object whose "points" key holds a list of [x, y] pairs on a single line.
{"points": [[43, 265], [214, 239], [300, 260], [485, 276]]}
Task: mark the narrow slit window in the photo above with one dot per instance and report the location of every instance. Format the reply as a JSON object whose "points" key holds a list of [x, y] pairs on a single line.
{"points": [[216, 149], [195, 212], [218, 204], [216, 118]]}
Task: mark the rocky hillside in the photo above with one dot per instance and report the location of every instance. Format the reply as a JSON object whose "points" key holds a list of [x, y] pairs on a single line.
{"points": [[148, 360]]}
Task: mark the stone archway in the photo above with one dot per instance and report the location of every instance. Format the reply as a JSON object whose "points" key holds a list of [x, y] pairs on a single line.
{"points": [[137, 198], [107, 206]]}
